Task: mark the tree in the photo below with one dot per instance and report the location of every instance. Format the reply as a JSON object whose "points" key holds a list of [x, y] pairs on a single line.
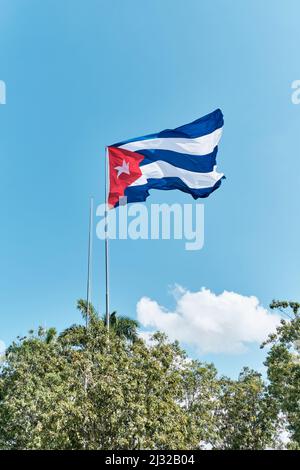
{"points": [[201, 400], [35, 394], [247, 419], [90, 388], [85, 389], [123, 326], [283, 363]]}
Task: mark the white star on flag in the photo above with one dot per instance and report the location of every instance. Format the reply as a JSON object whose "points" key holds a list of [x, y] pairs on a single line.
{"points": [[123, 169]]}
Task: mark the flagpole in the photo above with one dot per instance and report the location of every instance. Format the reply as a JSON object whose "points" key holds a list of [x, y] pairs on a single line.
{"points": [[107, 315], [90, 252]]}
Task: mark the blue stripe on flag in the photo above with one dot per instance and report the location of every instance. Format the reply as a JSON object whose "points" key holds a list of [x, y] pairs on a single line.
{"points": [[140, 193], [197, 163], [202, 126]]}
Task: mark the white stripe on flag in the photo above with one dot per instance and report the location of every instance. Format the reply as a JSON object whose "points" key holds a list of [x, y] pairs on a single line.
{"points": [[199, 146], [192, 179]]}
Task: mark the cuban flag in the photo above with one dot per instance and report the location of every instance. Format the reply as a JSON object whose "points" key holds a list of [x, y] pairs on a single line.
{"points": [[183, 158]]}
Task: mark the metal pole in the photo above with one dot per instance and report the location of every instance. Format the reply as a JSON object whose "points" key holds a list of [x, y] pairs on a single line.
{"points": [[107, 314], [90, 252]]}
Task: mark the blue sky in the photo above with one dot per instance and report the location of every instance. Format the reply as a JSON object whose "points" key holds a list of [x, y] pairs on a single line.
{"points": [[83, 74]]}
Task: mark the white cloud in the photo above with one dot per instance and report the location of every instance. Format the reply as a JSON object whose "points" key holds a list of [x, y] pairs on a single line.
{"points": [[146, 336], [2, 346], [210, 323]]}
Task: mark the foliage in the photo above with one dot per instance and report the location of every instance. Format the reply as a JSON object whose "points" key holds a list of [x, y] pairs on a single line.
{"points": [[201, 392], [87, 388], [248, 419], [283, 363]]}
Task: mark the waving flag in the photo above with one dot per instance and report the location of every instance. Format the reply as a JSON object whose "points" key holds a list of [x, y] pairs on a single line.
{"points": [[183, 158]]}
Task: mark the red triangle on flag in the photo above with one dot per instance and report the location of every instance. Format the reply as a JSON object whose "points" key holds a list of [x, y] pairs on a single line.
{"points": [[124, 169]]}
